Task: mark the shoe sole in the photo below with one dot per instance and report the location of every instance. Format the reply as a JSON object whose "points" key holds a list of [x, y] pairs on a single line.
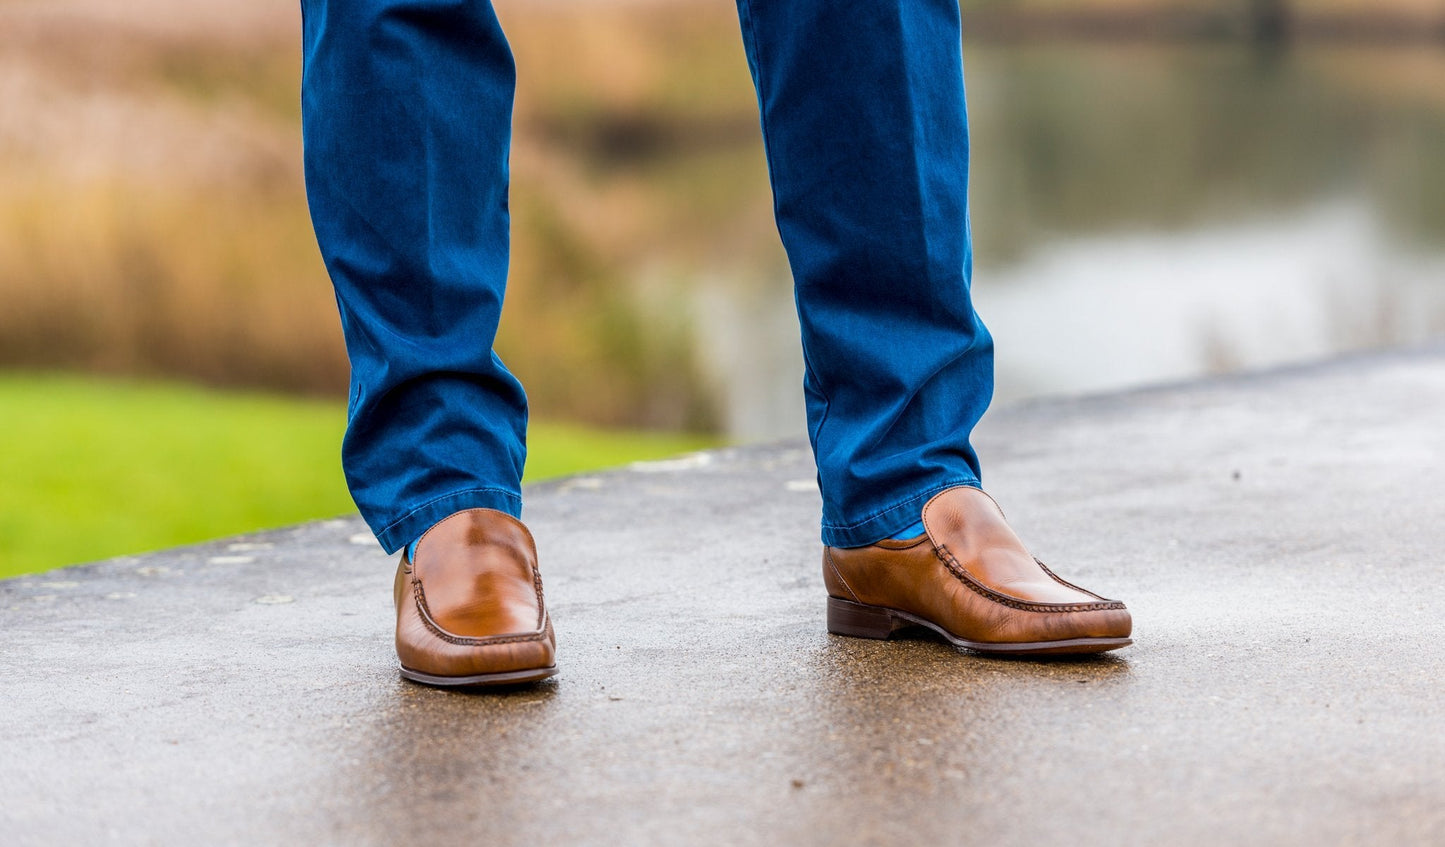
{"points": [[859, 620], [481, 680]]}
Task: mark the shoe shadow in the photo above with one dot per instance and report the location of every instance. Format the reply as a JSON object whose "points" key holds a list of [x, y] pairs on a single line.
{"points": [[921, 652], [533, 692]]}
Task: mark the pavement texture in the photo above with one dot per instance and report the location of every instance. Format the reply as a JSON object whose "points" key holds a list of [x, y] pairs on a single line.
{"points": [[1278, 538]]}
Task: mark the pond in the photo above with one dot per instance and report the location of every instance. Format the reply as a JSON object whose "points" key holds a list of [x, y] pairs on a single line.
{"points": [[1141, 214]]}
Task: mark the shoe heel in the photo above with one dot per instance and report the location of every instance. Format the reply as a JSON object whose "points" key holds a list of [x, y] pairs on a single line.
{"points": [[848, 618]]}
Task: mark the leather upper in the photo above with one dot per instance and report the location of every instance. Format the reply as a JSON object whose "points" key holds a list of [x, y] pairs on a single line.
{"points": [[472, 601], [972, 575]]}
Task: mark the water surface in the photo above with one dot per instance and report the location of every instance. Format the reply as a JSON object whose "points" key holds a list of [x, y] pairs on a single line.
{"points": [[1141, 214]]}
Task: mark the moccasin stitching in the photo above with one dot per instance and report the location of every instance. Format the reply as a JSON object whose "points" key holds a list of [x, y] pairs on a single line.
{"points": [[466, 640], [541, 604], [490, 639], [987, 593], [1067, 584]]}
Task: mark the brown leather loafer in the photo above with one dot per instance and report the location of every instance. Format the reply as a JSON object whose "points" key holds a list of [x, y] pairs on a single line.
{"points": [[970, 579], [469, 610]]}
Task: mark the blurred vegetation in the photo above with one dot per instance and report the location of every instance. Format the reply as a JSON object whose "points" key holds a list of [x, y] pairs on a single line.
{"points": [[153, 220], [96, 468], [153, 217]]}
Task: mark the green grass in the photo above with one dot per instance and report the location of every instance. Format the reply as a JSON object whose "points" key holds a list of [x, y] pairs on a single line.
{"points": [[92, 468]]}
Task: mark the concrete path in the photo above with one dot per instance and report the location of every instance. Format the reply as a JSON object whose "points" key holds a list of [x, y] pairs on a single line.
{"points": [[1278, 538]]}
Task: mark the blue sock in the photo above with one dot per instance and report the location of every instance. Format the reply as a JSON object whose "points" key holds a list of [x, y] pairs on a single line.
{"points": [[411, 550], [909, 532]]}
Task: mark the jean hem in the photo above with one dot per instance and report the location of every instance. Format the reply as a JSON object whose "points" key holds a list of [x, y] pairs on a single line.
{"points": [[411, 525], [890, 520]]}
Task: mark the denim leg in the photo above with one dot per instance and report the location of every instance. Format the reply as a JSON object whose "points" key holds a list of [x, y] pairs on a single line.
{"points": [[863, 118], [406, 121]]}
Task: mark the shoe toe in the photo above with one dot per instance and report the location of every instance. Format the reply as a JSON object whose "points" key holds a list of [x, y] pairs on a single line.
{"points": [[1104, 623]]}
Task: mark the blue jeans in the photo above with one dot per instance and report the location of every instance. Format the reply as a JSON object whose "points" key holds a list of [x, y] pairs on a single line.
{"points": [[407, 108]]}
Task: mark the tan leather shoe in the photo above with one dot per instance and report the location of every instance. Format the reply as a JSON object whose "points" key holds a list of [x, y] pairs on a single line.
{"points": [[469, 610], [970, 579]]}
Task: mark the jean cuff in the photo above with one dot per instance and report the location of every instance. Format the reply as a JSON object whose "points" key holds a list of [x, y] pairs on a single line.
{"points": [[407, 528], [893, 519]]}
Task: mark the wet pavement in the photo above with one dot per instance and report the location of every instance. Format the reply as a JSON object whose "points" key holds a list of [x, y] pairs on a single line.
{"points": [[1278, 538]]}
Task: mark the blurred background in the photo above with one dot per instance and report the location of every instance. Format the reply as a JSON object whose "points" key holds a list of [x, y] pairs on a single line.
{"points": [[1163, 189]]}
